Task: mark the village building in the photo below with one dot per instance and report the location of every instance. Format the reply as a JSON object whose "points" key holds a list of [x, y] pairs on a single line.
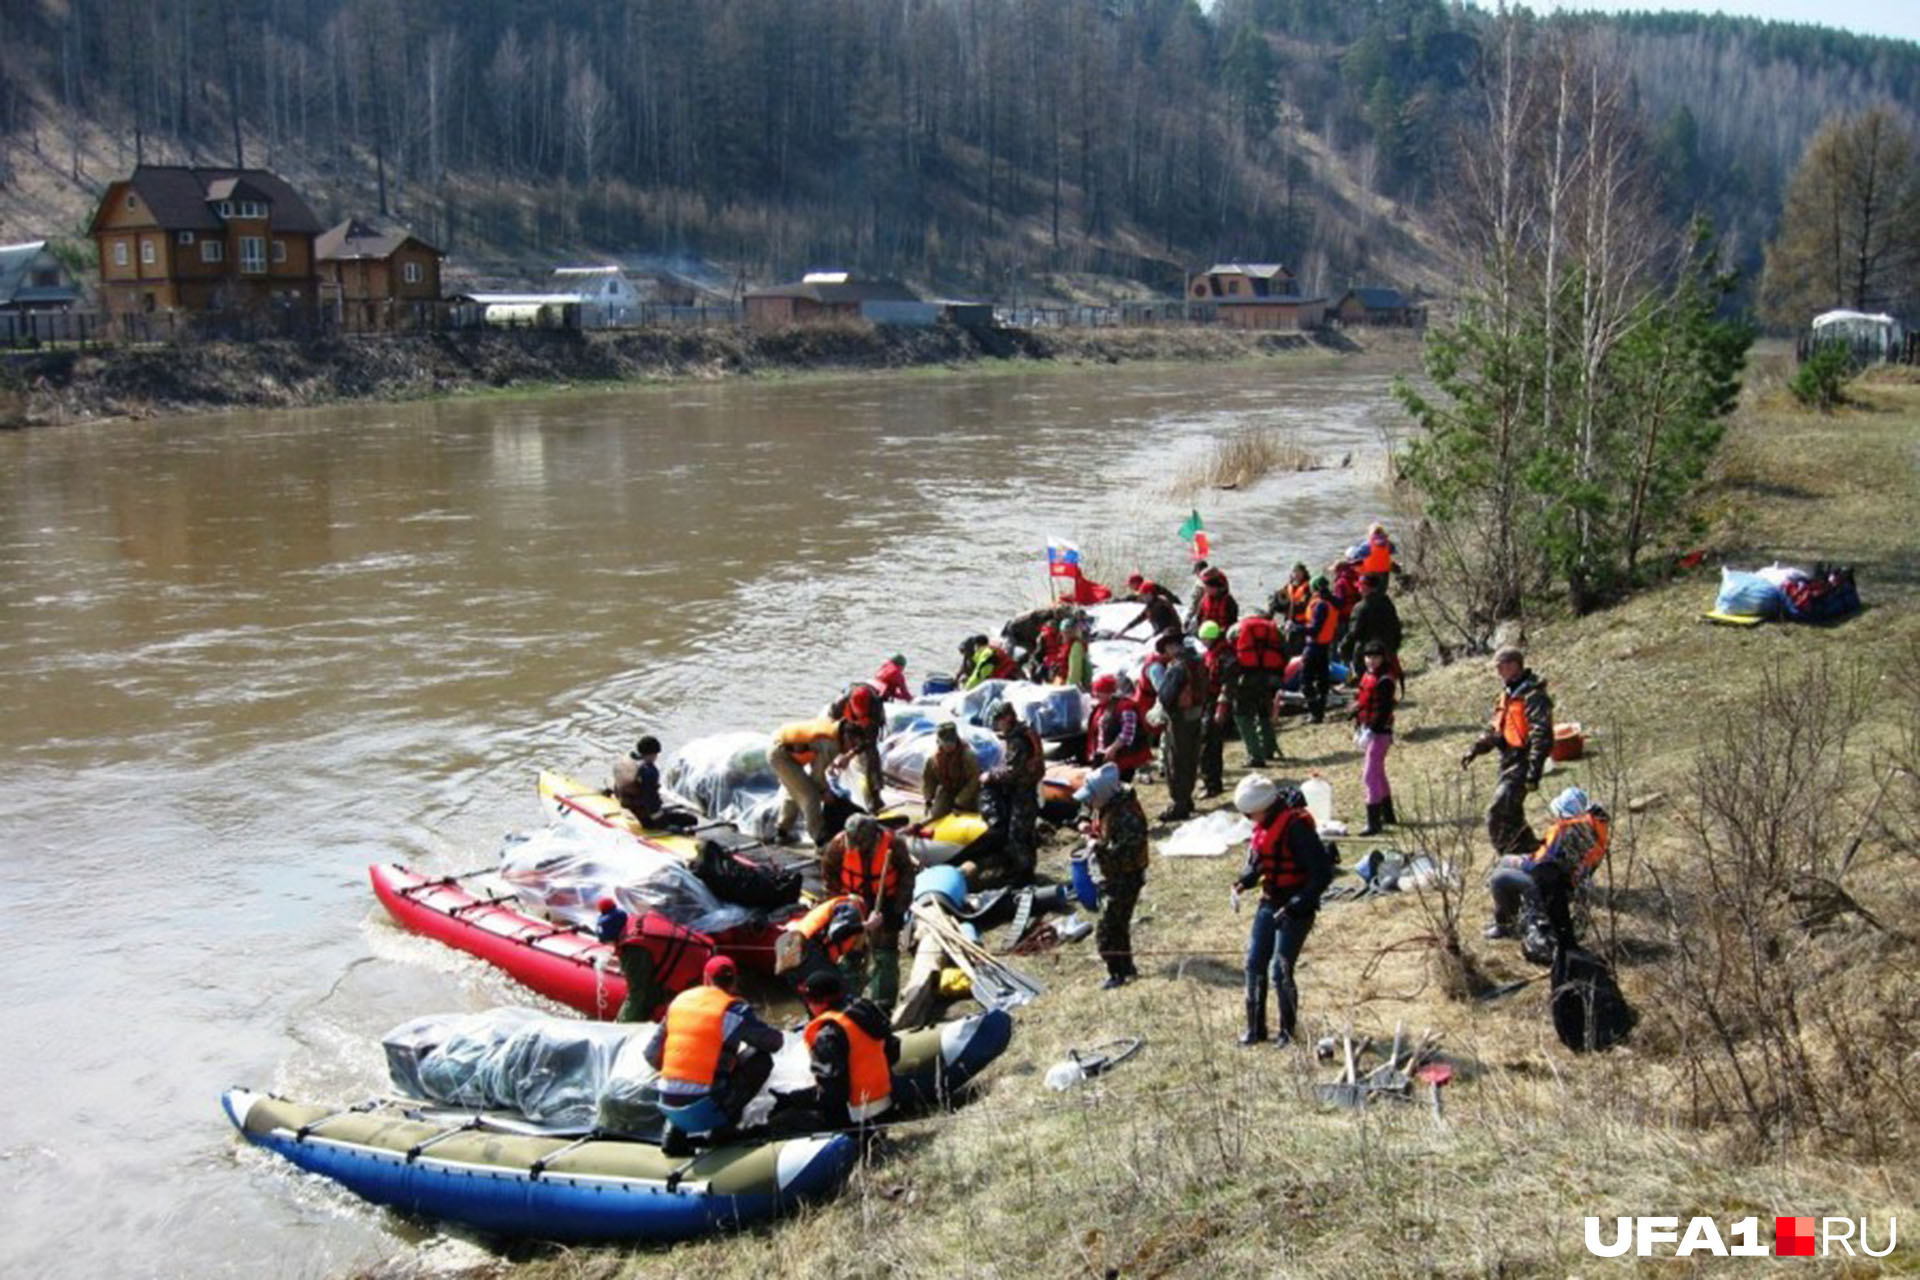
{"points": [[1276, 311], [827, 296], [377, 279], [608, 300], [1375, 305], [204, 240], [1224, 280], [33, 279]]}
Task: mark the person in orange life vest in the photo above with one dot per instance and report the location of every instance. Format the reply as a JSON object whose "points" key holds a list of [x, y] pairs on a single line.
{"points": [[868, 862], [890, 681], [1543, 881], [636, 785], [1522, 730], [658, 958], [1379, 558], [1213, 729], [1213, 603], [1373, 720], [951, 780], [1249, 682], [1316, 672], [1289, 607], [1292, 868], [713, 1054], [831, 935], [852, 1050], [800, 755], [863, 719], [1114, 735], [1184, 700]]}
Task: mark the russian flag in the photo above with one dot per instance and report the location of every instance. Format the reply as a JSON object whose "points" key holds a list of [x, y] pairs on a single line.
{"points": [[1063, 560]]}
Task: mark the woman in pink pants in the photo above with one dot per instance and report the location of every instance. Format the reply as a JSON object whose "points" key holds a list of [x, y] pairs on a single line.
{"points": [[1373, 712]]}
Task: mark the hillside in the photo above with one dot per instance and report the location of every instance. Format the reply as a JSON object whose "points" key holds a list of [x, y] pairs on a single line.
{"points": [[1081, 149]]}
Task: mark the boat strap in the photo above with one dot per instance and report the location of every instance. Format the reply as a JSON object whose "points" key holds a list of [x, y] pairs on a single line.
{"points": [[675, 1175], [477, 903], [413, 1152], [539, 1166], [441, 882], [551, 931], [304, 1131]]}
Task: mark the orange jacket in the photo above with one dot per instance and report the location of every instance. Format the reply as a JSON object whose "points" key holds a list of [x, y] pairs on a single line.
{"points": [[815, 924], [696, 1027], [870, 1079], [1379, 556]]}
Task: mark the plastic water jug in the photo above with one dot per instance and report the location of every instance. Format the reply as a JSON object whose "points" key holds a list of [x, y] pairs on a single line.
{"points": [[1081, 876], [1319, 794]]}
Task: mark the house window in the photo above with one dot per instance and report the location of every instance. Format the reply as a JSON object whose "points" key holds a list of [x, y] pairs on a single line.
{"points": [[146, 252], [279, 250], [212, 251], [253, 253], [132, 203], [252, 209], [226, 208], [410, 272], [1233, 286], [185, 237], [119, 253]]}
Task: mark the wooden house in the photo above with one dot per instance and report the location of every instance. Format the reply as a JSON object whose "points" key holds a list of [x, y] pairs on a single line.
{"points": [[824, 296], [33, 279], [1275, 311], [377, 279], [171, 236], [1224, 280], [1374, 305]]}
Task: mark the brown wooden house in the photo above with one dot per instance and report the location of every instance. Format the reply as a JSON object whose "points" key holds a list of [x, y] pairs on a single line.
{"points": [[1275, 311], [822, 296], [377, 279], [204, 240], [1371, 305], [1225, 280]]}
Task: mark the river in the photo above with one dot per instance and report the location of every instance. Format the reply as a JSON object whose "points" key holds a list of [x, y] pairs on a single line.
{"points": [[242, 657]]}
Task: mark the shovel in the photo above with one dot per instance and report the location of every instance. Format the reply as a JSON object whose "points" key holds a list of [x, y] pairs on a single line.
{"points": [[1347, 1091]]}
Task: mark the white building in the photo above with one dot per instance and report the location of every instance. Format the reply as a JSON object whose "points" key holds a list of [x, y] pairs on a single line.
{"points": [[608, 300]]}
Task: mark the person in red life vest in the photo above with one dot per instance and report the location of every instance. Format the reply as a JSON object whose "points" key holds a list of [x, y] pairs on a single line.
{"points": [[1184, 700], [1159, 607], [1379, 557], [1345, 576], [1116, 831], [852, 1049], [1213, 729], [636, 785], [1289, 607], [1250, 682], [658, 958], [1213, 603], [951, 780], [868, 862], [1050, 655], [1522, 730], [1316, 669], [713, 1054], [1011, 792], [1373, 718], [1292, 868], [863, 718], [1533, 895], [890, 681], [1113, 730]]}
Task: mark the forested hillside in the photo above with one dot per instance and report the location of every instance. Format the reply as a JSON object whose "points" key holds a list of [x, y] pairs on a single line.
{"points": [[989, 142]]}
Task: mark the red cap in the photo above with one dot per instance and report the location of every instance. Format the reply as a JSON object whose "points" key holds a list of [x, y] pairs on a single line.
{"points": [[606, 904], [720, 972], [1105, 685], [1134, 580]]}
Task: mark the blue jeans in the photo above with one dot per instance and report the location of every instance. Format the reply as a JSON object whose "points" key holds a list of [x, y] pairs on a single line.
{"points": [[1276, 939]]}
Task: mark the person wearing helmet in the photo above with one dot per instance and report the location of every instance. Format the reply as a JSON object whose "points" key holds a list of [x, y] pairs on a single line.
{"points": [[1184, 698], [851, 1048], [1292, 868], [713, 1054], [1116, 831], [1212, 602], [867, 861], [1114, 735], [1214, 725], [1010, 792], [951, 780], [1533, 894]]}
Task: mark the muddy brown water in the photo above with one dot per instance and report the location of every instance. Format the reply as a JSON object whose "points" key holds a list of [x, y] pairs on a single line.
{"points": [[243, 657]]}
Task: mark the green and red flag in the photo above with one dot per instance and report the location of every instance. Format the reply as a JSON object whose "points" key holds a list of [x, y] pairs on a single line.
{"points": [[1191, 530]]}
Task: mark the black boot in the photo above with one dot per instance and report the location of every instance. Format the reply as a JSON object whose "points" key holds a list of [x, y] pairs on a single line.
{"points": [[1373, 827], [1289, 1009], [1256, 1014], [1387, 815]]}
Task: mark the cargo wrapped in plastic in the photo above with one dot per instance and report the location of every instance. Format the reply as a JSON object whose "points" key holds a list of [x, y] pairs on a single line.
{"points": [[566, 869], [727, 777], [903, 758], [1124, 618], [630, 1099], [550, 1070], [1117, 657], [1747, 595], [1050, 710]]}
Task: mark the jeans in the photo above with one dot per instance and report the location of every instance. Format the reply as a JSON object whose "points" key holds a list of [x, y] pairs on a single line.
{"points": [[1276, 939]]}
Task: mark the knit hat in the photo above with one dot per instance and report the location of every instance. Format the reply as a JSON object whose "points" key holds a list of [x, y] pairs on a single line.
{"points": [[720, 971], [1570, 803]]}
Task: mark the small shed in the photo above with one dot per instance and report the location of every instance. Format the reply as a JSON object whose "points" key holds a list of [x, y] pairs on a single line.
{"points": [[1281, 311], [608, 300], [33, 279], [1373, 304], [826, 296]]}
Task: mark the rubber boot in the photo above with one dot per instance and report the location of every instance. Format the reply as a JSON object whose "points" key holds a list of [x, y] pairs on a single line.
{"points": [[1387, 814], [1289, 1008], [1373, 827], [1256, 1014]]}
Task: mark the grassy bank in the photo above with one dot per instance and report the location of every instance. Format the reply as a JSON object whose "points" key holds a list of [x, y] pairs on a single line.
{"points": [[1199, 1158], [196, 377]]}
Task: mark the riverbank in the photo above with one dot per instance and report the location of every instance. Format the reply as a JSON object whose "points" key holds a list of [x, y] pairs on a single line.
{"points": [[46, 388], [1200, 1158]]}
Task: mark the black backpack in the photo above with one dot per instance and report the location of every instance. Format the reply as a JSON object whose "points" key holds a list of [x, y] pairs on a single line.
{"points": [[1589, 1013]]}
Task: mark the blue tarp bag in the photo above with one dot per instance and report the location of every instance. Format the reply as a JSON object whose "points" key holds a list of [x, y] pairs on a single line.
{"points": [[1747, 595]]}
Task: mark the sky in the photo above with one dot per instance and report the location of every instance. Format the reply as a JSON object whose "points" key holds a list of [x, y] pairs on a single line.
{"points": [[1897, 18]]}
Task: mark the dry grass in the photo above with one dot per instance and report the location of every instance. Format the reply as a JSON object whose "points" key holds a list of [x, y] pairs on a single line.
{"points": [[1242, 459], [1202, 1159]]}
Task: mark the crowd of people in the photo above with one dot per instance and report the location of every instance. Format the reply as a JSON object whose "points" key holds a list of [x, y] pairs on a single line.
{"points": [[1213, 670]]}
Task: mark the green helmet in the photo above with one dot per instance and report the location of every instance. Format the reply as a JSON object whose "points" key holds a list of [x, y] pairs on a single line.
{"points": [[1209, 630]]}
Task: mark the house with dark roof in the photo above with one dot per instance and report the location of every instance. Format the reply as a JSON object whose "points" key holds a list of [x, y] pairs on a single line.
{"points": [[32, 279], [1224, 280], [375, 278], [1375, 305], [821, 296], [171, 236]]}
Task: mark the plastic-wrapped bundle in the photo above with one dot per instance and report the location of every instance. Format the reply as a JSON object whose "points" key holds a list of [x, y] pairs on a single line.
{"points": [[550, 1070], [1747, 595], [726, 775], [1117, 657], [921, 714], [1051, 710], [903, 758], [630, 1102], [1106, 621], [567, 868]]}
